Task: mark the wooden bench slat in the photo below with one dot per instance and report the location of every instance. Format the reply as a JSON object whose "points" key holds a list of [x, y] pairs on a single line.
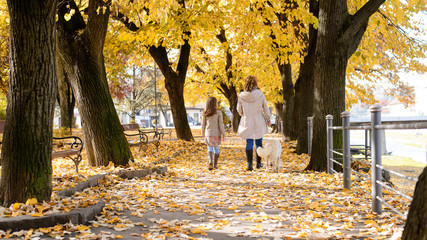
{"points": [[130, 127], [65, 153]]}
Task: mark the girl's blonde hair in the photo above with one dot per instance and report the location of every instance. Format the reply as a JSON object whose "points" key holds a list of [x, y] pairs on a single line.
{"points": [[251, 83], [211, 107]]}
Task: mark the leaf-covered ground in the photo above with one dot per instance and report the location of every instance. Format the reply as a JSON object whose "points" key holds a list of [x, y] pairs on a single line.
{"points": [[191, 202]]}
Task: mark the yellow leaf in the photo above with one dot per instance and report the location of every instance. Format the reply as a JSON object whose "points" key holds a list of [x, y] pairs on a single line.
{"points": [[15, 206], [37, 214], [370, 222], [82, 228], [31, 201], [118, 236], [197, 231], [41, 209]]}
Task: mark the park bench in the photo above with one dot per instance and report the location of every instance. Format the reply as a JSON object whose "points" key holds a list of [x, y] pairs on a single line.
{"points": [[138, 137], [159, 132], [162, 132], [73, 152]]}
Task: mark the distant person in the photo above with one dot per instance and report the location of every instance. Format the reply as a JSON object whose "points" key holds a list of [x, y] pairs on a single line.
{"points": [[212, 130], [253, 108]]}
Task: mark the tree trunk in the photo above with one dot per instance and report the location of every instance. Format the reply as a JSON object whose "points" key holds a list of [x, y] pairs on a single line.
{"points": [[279, 114], [84, 62], [66, 98], [288, 100], [341, 34], [304, 86], [235, 121], [174, 83], [230, 93], [179, 113], [416, 222], [27, 140]]}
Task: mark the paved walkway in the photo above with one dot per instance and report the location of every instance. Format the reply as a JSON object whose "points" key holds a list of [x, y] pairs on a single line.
{"points": [[230, 203]]}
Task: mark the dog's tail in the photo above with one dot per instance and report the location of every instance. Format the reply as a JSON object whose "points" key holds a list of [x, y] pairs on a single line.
{"points": [[262, 152]]}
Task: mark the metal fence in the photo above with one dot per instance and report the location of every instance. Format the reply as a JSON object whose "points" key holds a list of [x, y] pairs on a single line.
{"points": [[371, 153]]}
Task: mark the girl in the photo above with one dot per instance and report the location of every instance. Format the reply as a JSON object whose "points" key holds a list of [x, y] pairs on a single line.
{"points": [[212, 130]]}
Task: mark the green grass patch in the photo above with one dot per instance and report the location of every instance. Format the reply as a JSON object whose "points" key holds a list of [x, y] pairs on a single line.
{"points": [[401, 161]]}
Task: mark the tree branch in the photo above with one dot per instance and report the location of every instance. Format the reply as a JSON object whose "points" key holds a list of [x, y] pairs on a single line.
{"points": [[125, 20], [360, 20]]}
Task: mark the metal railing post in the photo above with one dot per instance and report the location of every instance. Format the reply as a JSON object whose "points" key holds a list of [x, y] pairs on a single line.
{"points": [[310, 133], [346, 148], [329, 143], [376, 158], [366, 143]]}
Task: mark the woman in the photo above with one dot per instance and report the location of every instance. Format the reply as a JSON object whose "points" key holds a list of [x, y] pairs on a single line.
{"points": [[253, 108]]}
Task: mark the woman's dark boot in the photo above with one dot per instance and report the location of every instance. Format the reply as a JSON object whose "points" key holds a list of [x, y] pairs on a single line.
{"points": [[258, 162], [249, 158]]}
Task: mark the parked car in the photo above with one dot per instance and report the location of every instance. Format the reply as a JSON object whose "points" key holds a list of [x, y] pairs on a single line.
{"points": [[193, 122]]}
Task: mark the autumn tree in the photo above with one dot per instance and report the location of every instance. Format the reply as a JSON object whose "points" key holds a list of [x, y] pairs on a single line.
{"points": [[27, 140], [287, 44], [223, 81], [342, 32], [80, 45], [341, 35], [165, 25]]}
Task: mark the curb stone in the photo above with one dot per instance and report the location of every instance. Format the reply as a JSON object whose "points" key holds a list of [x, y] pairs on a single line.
{"points": [[90, 182], [75, 216]]}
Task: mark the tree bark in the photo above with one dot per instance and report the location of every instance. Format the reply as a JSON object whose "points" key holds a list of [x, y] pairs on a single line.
{"points": [[84, 62], [304, 86], [340, 35], [416, 222], [66, 98], [288, 100], [27, 140]]}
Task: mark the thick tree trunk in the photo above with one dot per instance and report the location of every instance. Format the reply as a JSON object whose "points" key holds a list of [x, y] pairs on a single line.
{"points": [[329, 85], [304, 101], [288, 100], [416, 222], [66, 98], [84, 62], [340, 35], [304, 86], [27, 140]]}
